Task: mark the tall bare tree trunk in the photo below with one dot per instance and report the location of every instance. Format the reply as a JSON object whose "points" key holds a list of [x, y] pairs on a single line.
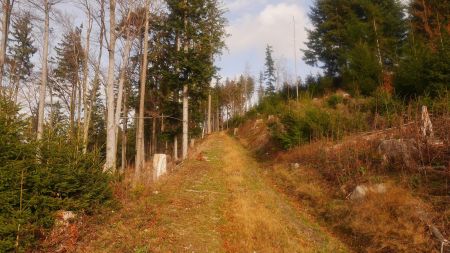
{"points": [[380, 60], [185, 98], [209, 112], [218, 119], [126, 56], [110, 122], [40, 125], [6, 19], [140, 145], [124, 134], [86, 68], [96, 82], [185, 121], [153, 142], [73, 98], [175, 148]]}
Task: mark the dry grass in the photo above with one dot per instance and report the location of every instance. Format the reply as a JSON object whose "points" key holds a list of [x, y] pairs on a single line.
{"points": [[389, 222], [218, 203], [262, 221]]}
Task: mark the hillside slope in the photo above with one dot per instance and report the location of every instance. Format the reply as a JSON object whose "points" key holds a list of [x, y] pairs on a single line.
{"points": [[323, 176]]}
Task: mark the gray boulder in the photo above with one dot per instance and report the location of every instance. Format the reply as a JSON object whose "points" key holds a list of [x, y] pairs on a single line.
{"points": [[399, 152], [361, 191]]}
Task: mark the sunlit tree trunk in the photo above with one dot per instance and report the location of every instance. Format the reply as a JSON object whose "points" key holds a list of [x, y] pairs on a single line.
{"points": [[86, 67], [96, 81], [6, 19], [110, 122], [185, 121], [209, 112], [175, 148], [42, 90], [126, 56], [140, 145], [185, 100], [124, 133]]}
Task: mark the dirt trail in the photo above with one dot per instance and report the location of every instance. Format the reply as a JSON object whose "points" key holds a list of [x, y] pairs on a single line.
{"points": [[219, 204]]}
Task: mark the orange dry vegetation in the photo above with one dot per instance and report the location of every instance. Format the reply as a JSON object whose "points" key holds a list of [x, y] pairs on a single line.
{"points": [[218, 203], [327, 172]]}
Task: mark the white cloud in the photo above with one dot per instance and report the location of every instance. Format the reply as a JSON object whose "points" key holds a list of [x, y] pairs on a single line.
{"points": [[273, 25], [238, 5]]}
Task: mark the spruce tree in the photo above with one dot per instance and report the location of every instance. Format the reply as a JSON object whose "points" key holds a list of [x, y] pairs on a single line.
{"points": [[194, 32], [430, 21], [344, 28], [269, 73], [21, 51]]}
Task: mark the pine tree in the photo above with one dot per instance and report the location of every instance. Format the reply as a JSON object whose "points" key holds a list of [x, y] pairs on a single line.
{"points": [[269, 73], [21, 51]]}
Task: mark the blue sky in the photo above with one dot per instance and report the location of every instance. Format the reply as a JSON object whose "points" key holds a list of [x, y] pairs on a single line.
{"points": [[255, 23]]}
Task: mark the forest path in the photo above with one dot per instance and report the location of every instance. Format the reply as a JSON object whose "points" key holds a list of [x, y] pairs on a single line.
{"points": [[220, 203]]}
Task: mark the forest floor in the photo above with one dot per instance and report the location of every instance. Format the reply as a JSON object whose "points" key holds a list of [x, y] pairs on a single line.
{"points": [[218, 201]]}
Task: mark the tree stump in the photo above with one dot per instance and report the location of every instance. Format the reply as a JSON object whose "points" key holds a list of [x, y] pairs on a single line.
{"points": [[159, 166]]}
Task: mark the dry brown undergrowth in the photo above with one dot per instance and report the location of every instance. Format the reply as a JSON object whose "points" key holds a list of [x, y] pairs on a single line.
{"points": [[328, 172]]}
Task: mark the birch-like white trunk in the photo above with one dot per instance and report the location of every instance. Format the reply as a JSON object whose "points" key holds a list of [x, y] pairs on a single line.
{"points": [[123, 70], [110, 164], [42, 90], [96, 82]]}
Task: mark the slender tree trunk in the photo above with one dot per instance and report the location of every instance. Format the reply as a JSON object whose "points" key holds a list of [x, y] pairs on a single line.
{"points": [[162, 130], [110, 122], [175, 148], [73, 96], [52, 113], [86, 70], [96, 83], [185, 121], [154, 140], [185, 99], [119, 103], [6, 19], [209, 112], [79, 101], [380, 60], [125, 133], [16, 88], [140, 145], [40, 124]]}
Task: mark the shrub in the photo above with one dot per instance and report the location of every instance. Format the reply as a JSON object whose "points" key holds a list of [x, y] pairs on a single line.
{"points": [[314, 123], [310, 122], [236, 121], [334, 100], [423, 71], [37, 179]]}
